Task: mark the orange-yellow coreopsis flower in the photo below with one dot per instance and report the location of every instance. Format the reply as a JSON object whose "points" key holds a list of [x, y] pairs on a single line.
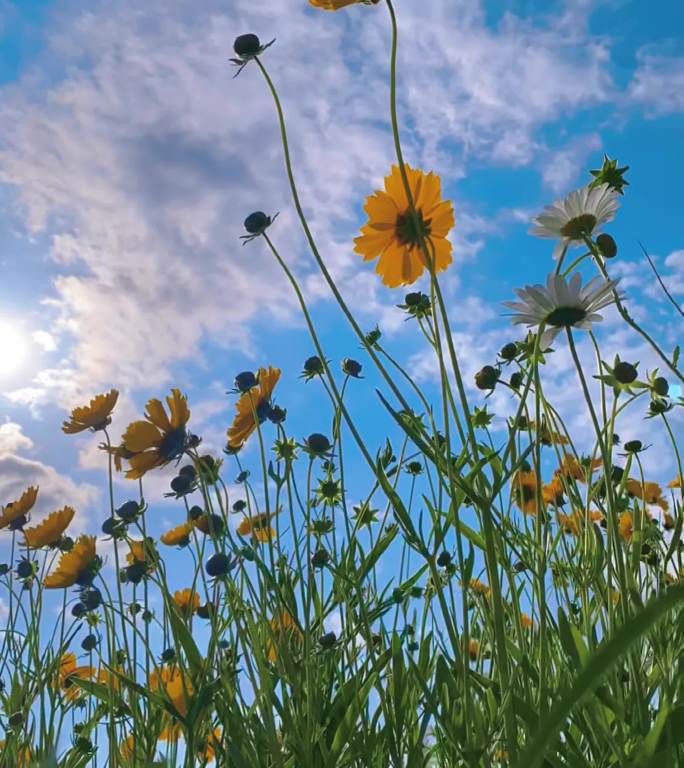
{"points": [[393, 236]]}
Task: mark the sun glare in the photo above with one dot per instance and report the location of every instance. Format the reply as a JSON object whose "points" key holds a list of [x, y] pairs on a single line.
{"points": [[13, 348]]}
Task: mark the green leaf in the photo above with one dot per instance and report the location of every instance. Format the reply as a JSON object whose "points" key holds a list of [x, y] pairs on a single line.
{"points": [[675, 356], [600, 663]]}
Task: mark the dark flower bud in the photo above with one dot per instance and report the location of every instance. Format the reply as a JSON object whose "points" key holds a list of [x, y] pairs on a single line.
{"points": [[320, 558], [79, 610], [607, 246], [328, 640], [258, 221], [351, 368], [516, 380], [317, 444], [16, 720], [4, 569], [147, 616], [239, 506], [134, 609], [195, 512], [373, 337], [413, 646], [109, 526], [246, 46], [633, 446], [188, 471], [242, 476], [91, 598], [26, 569], [616, 438], [84, 745], [416, 591], [397, 595], [128, 511], [90, 642], [519, 566], [248, 553], [136, 572], [218, 565], [625, 373], [205, 611], [616, 474], [486, 377], [444, 559], [168, 654], [658, 405], [182, 485], [245, 381], [66, 544], [509, 351], [413, 299], [277, 415], [313, 366], [414, 468], [660, 386]]}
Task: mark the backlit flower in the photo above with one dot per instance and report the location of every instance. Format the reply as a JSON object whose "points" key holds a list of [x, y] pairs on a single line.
{"points": [[96, 415], [253, 407], [581, 214], [676, 483], [283, 629], [75, 566], [178, 536], [526, 621], [393, 236], [552, 492], [161, 438], [572, 469], [626, 526], [178, 687], [69, 674], [480, 588], [49, 532], [651, 493], [15, 513], [524, 488], [560, 304], [187, 600], [258, 526]]}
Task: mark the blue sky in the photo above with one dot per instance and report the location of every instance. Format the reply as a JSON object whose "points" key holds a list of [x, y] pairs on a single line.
{"points": [[129, 158]]}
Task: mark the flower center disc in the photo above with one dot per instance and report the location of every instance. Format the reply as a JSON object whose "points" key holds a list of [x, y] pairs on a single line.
{"points": [[565, 317], [409, 230], [579, 227]]}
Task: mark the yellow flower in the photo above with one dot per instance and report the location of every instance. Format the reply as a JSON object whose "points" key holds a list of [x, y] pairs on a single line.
{"points": [[258, 526], [394, 236], [651, 493], [74, 565], [207, 747], [335, 5], [480, 588], [127, 747], [552, 492], [24, 756], [473, 649], [676, 483], [524, 488], [14, 513], [49, 532], [142, 551], [160, 439], [178, 688], [526, 621], [70, 673], [96, 415], [178, 536], [626, 526], [187, 600], [569, 523], [572, 469], [252, 407], [283, 627]]}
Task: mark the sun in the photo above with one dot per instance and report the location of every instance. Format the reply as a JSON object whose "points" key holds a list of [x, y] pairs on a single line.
{"points": [[13, 348]]}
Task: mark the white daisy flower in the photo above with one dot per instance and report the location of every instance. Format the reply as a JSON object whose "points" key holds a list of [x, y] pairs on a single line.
{"points": [[560, 304], [581, 214]]}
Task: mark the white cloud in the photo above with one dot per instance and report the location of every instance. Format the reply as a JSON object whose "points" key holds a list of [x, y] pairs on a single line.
{"points": [[658, 82], [12, 438], [143, 156]]}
